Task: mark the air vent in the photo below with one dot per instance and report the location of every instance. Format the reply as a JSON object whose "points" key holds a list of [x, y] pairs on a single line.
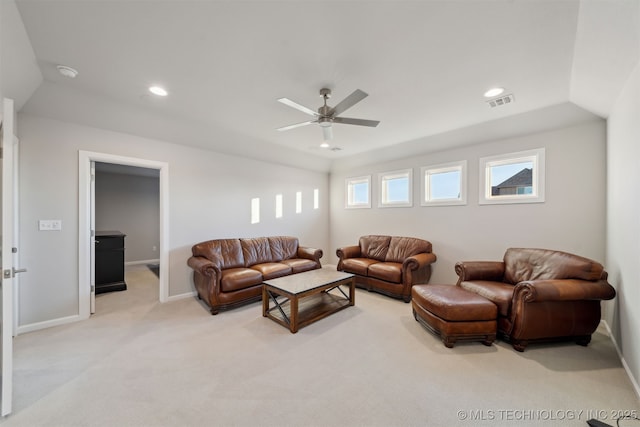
{"points": [[335, 149], [503, 100]]}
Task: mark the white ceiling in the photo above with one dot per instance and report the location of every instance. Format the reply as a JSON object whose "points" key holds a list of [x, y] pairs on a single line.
{"points": [[424, 64]]}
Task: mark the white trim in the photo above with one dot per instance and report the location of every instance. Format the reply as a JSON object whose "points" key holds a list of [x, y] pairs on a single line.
{"points": [[634, 382], [382, 196], [348, 196], [84, 233], [32, 327], [144, 261], [172, 298], [536, 156], [460, 166]]}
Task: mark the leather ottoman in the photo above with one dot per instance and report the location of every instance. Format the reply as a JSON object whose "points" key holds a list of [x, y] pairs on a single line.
{"points": [[454, 313]]}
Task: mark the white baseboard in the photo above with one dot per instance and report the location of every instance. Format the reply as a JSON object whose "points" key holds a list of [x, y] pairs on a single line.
{"points": [[31, 327], [634, 382], [145, 261], [182, 296]]}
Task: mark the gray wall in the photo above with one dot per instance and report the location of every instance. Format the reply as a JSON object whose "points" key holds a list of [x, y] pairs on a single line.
{"points": [[130, 204], [571, 219], [623, 222], [209, 197]]}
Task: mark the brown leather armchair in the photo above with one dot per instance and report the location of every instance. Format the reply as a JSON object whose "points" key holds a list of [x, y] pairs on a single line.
{"points": [[541, 294]]}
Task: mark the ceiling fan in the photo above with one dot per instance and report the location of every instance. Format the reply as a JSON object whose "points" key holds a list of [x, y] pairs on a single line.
{"points": [[326, 116]]}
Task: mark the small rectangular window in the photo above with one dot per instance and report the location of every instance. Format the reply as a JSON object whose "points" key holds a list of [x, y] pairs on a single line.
{"points": [[316, 198], [513, 178], [298, 202], [358, 192], [396, 188], [255, 210], [278, 205], [444, 184]]}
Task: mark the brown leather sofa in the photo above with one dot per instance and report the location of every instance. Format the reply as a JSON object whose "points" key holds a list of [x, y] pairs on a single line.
{"points": [[541, 294], [229, 272], [389, 265]]}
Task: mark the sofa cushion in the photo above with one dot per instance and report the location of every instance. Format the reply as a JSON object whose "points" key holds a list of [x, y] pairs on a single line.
{"points": [[226, 251], [357, 265], [542, 264], [374, 247], [388, 271], [256, 251], [234, 279], [298, 265], [271, 270], [497, 292], [283, 247], [400, 248]]}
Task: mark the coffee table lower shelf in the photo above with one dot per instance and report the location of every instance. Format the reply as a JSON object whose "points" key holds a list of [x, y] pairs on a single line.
{"points": [[310, 309]]}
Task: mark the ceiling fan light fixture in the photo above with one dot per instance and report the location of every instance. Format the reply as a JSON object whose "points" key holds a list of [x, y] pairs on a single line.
{"points": [[494, 91]]}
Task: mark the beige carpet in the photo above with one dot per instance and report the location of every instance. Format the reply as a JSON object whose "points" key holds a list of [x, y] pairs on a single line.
{"points": [[137, 362]]}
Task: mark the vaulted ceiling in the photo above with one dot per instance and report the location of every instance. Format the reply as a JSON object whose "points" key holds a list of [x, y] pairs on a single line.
{"points": [[424, 64]]}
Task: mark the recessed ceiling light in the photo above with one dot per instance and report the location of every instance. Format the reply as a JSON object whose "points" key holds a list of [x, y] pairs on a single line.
{"points": [[495, 91], [324, 145], [157, 90], [67, 71]]}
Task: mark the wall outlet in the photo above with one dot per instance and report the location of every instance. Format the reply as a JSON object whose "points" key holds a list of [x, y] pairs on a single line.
{"points": [[50, 225]]}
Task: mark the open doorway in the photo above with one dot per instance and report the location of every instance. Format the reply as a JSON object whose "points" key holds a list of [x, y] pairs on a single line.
{"points": [[127, 225], [87, 227]]}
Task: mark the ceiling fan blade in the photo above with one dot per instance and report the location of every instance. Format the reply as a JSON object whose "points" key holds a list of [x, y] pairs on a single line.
{"points": [[349, 102], [297, 125], [359, 122], [290, 103], [327, 133]]}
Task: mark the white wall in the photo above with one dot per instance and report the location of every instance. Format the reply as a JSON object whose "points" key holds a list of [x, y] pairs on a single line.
{"points": [[572, 218], [623, 222], [209, 197], [130, 204]]}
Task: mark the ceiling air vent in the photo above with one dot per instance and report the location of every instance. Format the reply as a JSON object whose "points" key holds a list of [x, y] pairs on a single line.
{"points": [[335, 149], [503, 100]]}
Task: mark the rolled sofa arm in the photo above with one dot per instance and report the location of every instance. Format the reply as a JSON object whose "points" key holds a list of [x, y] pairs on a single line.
{"points": [[418, 261], [480, 270], [563, 290], [310, 253], [203, 266], [348, 252]]}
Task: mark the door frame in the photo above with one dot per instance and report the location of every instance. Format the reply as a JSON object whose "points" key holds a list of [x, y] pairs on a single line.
{"points": [[84, 222]]}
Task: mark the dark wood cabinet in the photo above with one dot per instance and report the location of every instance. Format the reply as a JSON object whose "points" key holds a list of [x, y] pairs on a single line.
{"points": [[109, 262]]}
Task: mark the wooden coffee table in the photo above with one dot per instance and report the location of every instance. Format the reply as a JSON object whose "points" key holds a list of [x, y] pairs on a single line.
{"points": [[303, 298]]}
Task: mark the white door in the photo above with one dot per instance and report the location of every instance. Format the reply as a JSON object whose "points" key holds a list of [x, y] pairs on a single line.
{"points": [[7, 141]]}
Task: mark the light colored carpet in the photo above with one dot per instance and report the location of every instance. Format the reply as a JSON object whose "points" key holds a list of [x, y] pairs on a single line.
{"points": [[137, 362]]}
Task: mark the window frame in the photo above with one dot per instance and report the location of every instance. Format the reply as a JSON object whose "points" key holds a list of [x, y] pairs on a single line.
{"points": [[382, 202], [537, 195], [460, 166], [348, 192]]}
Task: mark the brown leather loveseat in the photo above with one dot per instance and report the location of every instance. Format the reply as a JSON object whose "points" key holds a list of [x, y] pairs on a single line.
{"points": [[389, 265], [541, 294], [230, 272]]}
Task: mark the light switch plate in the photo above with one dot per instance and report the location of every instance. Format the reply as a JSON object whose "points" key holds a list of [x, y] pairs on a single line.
{"points": [[50, 225]]}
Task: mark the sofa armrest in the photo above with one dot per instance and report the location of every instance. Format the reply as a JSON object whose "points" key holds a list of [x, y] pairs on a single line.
{"points": [[479, 270], [204, 266], [348, 252], [418, 261], [310, 253], [563, 290]]}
